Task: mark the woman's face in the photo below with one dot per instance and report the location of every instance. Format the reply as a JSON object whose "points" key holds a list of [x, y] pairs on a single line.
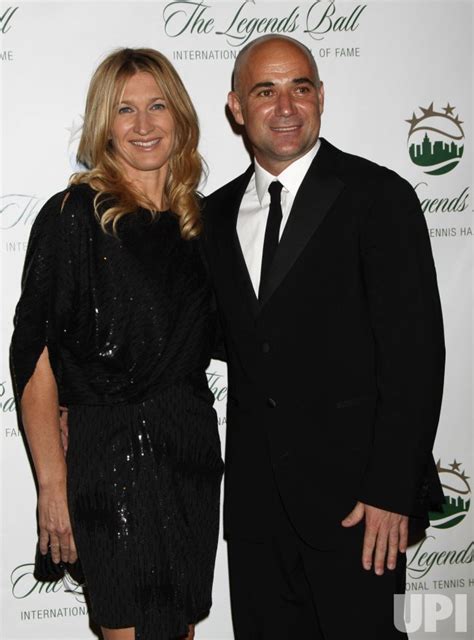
{"points": [[143, 130]]}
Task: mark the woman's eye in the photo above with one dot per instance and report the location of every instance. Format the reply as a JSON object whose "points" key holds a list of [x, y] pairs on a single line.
{"points": [[125, 110], [158, 105]]}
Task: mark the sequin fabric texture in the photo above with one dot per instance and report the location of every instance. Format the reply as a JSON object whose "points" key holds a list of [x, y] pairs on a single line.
{"points": [[129, 325]]}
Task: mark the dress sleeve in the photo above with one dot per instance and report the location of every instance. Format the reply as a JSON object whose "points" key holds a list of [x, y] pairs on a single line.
{"points": [[48, 284]]}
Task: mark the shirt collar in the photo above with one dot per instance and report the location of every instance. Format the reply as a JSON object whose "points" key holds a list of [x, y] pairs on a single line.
{"points": [[291, 178]]}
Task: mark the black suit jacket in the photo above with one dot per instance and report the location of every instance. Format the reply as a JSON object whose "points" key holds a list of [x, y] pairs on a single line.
{"points": [[336, 375]]}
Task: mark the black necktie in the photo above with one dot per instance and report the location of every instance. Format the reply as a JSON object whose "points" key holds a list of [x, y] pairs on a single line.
{"points": [[272, 232]]}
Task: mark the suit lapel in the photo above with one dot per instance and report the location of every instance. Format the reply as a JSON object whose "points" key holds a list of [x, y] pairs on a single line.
{"points": [[316, 195], [230, 248]]}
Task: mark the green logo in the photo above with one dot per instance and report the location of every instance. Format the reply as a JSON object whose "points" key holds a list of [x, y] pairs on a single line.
{"points": [[435, 140], [457, 493]]}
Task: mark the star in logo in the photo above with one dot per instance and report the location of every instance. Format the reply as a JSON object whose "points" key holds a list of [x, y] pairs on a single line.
{"points": [[413, 122], [453, 469], [75, 130], [457, 496], [455, 466], [429, 112]]}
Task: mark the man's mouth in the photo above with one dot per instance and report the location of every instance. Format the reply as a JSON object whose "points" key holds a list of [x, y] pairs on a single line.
{"points": [[286, 129]]}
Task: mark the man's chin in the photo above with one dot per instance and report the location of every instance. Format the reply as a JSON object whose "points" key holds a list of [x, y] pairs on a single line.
{"points": [[289, 152]]}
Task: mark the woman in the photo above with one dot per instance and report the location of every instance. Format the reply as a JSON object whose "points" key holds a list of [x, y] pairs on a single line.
{"points": [[115, 322]]}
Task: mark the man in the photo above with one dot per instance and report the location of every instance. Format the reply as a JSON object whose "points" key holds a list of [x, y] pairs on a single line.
{"points": [[333, 332]]}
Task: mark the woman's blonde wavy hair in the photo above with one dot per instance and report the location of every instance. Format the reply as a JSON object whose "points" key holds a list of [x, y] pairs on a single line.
{"points": [[96, 152]]}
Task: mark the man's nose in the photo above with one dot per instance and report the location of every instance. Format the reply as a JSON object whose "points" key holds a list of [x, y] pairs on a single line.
{"points": [[285, 106]]}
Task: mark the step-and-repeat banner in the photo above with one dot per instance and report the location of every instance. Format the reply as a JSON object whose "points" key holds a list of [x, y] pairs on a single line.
{"points": [[398, 78]]}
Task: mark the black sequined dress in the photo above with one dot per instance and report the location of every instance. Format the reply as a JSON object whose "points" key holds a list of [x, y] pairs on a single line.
{"points": [[128, 323]]}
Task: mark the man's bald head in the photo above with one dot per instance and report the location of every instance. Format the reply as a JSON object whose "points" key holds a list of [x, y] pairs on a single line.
{"points": [[278, 98], [246, 53]]}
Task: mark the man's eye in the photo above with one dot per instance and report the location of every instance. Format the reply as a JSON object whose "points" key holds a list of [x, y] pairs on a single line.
{"points": [[303, 90], [265, 93]]}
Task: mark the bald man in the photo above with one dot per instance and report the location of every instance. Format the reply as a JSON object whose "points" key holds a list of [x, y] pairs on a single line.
{"points": [[330, 310]]}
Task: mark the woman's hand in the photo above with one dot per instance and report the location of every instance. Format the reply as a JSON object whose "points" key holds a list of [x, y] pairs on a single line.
{"points": [[54, 523]]}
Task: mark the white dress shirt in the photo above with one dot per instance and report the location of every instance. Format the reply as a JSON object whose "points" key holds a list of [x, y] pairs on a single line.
{"points": [[253, 212]]}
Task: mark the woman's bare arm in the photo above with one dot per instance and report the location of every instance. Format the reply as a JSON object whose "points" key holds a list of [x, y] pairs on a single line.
{"points": [[40, 416]]}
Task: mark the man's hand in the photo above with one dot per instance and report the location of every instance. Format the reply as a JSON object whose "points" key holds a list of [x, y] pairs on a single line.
{"points": [[386, 533]]}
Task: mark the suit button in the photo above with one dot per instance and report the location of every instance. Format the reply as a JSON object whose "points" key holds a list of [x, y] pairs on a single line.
{"points": [[271, 403], [265, 347]]}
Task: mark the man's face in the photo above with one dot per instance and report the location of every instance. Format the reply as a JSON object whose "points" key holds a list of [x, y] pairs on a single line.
{"points": [[279, 103]]}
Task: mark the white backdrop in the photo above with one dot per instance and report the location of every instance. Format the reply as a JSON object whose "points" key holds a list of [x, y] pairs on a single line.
{"points": [[393, 71]]}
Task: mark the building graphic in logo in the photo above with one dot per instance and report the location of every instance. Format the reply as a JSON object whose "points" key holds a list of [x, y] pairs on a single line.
{"points": [[435, 139], [457, 493]]}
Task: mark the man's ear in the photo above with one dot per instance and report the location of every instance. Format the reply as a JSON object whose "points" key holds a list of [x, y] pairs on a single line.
{"points": [[321, 97], [233, 102]]}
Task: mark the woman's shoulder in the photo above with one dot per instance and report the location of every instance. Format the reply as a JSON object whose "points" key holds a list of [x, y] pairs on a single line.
{"points": [[69, 208], [79, 196]]}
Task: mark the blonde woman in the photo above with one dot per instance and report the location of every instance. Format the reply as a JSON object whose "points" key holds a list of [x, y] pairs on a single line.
{"points": [[115, 322]]}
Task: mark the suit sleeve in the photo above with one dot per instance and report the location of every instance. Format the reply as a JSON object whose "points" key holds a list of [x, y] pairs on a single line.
{"points": [[406, 319], [47, 292]]}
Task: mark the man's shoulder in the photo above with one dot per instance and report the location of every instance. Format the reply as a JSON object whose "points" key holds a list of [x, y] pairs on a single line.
{"points": [[228, 190], [362, 172]]}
